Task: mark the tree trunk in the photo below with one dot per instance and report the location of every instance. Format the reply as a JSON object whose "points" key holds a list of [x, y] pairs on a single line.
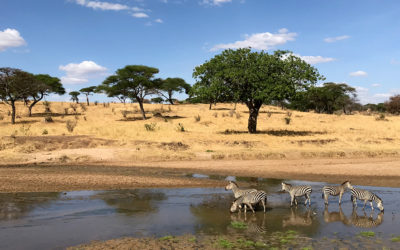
{"points": [[87, 100], [141, 108], [234, 108], [170, 97], [13, 112], [210, 106], [33, 104], [171, 101], [254, 108]]}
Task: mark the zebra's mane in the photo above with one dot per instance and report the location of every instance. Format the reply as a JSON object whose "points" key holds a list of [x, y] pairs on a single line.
{"points": [[379, 198], [287, 184], [345, 182], [234, 183]]}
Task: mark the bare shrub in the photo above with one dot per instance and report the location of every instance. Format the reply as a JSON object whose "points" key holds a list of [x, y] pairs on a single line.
{"points": [[215, 114], [48, 119], [289, 114], [46, 105], [83, 107], [180, 127], [231, 113], [287, 119], [150, 127], [381, 117], [66, 111], [238, 115], [71, 124], [124, 113], [84, 118], [45, 132], [73, 106], [8, 112], [197, 118], [1, 117], [25, 130], [269, 113], [393, 105], [96, 103]]}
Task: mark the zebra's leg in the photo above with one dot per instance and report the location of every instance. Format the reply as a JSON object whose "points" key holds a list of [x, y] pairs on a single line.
{"points": [[326, 196], [295, 200], [309, 200], [354, 200], [251, 207], [340, 198], [291, 200], [263, 203], [372, 207], [245, 208], [365, 203]]}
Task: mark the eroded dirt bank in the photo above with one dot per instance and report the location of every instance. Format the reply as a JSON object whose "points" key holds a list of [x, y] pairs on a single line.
{"points": [[124, 175]]}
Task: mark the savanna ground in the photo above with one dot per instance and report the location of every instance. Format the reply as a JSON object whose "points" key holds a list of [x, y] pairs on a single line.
{"points": [[110, 147]]}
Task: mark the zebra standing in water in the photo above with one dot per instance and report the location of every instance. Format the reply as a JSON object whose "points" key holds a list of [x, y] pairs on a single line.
{"points": [[249, 199], [297, 191], [335, 191], [366, 195], [237, 192]]}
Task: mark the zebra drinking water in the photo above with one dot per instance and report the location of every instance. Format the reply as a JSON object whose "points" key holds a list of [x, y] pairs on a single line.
{"points": [[335, 191], [237, 192], [297, 191], [366, 195], [249, 199]]}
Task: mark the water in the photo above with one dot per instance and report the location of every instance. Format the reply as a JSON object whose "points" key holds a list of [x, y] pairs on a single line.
{"points": [[56, 220]]}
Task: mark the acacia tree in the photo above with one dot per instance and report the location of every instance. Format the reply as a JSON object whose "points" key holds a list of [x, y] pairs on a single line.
{"points": [[171, 85], [393, 104], [15, 85], [255, 78], [74, 96], [134, 82], [88, 91], [43, 86]]}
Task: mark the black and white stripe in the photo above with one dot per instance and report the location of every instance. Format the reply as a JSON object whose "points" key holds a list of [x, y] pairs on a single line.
{"points": [[250, 199], [237, 192], [365, 221], [366, 196], [335, 191], [297, 191]]}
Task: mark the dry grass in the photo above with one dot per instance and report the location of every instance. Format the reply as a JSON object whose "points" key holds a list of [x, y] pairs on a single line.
{"points": [[219, 134]]}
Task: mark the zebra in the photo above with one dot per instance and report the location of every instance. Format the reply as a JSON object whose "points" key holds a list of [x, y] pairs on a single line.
{"points": [[366, 195], [249, 199], [237, 192], [297, 191], [365, 221], [335, 191]]}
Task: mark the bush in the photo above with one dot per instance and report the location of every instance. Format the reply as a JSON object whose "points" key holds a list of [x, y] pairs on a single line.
{"points": [[231, 112], [393, 105], [124, 113], [215, 114], [83, 106], [47, 109], [197, 118], [381, 117], [73, 106], [71, 124], [150, 127], [238, 115], [66, 111], [287, 120], [95, 103], [45, 132], [181, 128], [48, 119], [1, 117]]}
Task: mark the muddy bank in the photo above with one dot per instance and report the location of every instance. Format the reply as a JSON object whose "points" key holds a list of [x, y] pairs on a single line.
{"points": [[123, 175]]}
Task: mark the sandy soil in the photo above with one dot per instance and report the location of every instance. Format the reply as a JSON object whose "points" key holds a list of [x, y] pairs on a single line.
{"points": [[123, 175]]}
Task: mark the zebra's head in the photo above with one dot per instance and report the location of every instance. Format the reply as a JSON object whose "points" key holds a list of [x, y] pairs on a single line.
{"points": [[379, 204], [347, 184], [231, 185], [285, 186], [234, 207]]}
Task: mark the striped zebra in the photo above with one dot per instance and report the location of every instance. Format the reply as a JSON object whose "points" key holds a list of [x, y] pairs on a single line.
{"points": [[249, 199], [297, 191], [237, 192], [335, 191], [365, 195]]}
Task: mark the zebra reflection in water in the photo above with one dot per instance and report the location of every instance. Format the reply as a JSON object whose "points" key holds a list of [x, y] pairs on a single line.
{"points": [[363, 221], [255, 224], [298, 219]]}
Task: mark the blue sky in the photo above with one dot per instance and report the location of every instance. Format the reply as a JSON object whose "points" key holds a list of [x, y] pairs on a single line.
{"points": [[83, 41]]}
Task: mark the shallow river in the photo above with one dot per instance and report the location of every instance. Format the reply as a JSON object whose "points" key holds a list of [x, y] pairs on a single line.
{"points": [[56, 220]]}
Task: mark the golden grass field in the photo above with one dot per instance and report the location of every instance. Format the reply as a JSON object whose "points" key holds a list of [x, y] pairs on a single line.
{"points": [[104, 134]]}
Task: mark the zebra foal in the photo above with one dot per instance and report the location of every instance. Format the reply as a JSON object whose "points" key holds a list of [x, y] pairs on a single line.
{"points": [[237, 192], [366, 195], [248, 200], [335, 191], [297, 191]]}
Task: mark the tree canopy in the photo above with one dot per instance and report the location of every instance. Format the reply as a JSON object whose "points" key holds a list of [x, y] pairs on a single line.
{"points": [[171, 85], [134, 82], [253, 78], [88, 91], [74, 96]]}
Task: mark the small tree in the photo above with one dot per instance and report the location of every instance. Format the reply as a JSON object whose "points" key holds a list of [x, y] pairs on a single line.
{"points": [[134, 82], [157, 100], [74, 96], [15, 85], [44, 85], [88, 91], [393, 105], [171, 85]]}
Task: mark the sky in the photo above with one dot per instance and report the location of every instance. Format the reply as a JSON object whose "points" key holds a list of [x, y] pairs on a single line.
{"points": [[84, 41]]}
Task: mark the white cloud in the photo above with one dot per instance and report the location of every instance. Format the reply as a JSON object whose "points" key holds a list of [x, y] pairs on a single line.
{"points": [[316, 59], [81, 72], [215, 2], [140, 15], [394, 61], [260, 41], [102, 5], [158, 20], [358, 73], [335, 39], [10, 38], [376, 85]]}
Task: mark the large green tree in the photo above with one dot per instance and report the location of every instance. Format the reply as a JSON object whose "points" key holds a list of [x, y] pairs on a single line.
{"points": [[88, 91], [254, 78], [15, 85], [134, 82], [171, 85], [44, 85]]}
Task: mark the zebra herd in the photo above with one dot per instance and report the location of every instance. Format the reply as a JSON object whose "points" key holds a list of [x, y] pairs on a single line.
{"points": [[251, 197]]}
